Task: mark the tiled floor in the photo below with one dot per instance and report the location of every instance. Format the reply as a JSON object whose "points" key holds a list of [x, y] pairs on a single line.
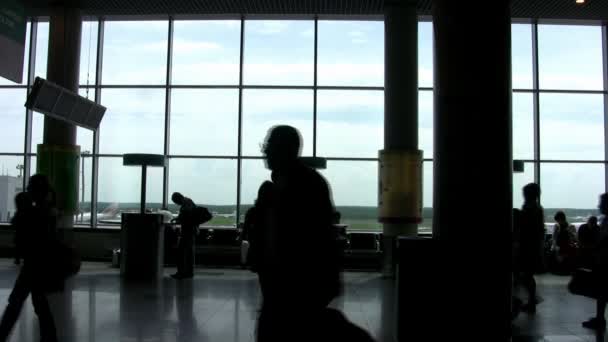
{"points": [[217, 305], [559, 316], [220, 305]]}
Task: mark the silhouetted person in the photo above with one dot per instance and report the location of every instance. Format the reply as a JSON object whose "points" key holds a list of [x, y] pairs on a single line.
{"points": [[37, 232], [301, 262], [565, 243], [255, 229], [589, 233], [185, 246], [588, 238], [24, 205], [600, 270], [531, 240], [516, 302]]}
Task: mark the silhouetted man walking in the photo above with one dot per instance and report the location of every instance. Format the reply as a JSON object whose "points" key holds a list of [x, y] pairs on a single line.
{"points": [[36, 220], [301, 260]]}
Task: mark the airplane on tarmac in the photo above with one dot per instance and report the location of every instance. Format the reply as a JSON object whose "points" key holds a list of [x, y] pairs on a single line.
{"points": [[111, 215]]}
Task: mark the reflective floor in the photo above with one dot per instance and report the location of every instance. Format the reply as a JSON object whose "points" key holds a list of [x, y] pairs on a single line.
{"points": [[558, 317], [217, 305], [221, 305]]}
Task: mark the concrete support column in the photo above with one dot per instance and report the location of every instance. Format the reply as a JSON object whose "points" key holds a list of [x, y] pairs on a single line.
{"points": [[400, 103], [60, 137], [473, 167]]}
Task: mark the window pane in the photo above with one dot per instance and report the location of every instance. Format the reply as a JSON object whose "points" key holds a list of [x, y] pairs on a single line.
{"points": [[350, 53], [121, 185], [84, 136], [263, 109], [12, 120], [279, 52], [253, 174], [42, 49], [520, 179], [425, 123], [574, 188], [572, 126], [33, 166], [204, 122], [523, 126], [425, 54], [37, 130], [570, 57], [26, 54], [84, 191], [350, 123], [11, 183], [88, 52], [427, 198], [134, 121], [521, 55], [208, 182], [135, 52], [354, 187], [206, 52]]}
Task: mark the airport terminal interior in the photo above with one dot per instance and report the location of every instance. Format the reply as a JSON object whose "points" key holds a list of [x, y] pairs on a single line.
{"points": [[426, 119]]}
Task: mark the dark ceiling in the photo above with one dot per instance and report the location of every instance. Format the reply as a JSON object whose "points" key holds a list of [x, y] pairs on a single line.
{"points": [[546, 9]]}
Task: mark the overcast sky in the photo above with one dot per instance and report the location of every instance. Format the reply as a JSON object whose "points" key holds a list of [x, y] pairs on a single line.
{"points": [[350, 122]]}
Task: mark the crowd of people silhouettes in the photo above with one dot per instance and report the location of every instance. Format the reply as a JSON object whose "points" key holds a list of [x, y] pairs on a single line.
{"points": [[294, 250], [299, 273], [582, 253]]}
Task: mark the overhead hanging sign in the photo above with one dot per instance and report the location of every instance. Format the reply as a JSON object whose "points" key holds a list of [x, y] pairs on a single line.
{"points": [[12, 39], [60, 103]]}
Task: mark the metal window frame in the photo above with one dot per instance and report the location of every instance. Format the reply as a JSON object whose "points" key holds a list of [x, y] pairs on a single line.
{"points": [[239, 164], [167, 137], [536, 101], [95, 164], [239, 157], [29, 114], [315, 88], [605, 79]]}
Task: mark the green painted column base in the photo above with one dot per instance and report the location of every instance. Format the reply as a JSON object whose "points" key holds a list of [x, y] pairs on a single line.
{"points": [[60, 164]]}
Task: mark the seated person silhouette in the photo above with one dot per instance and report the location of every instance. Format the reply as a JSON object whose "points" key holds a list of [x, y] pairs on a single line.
{"points": [[565, 243], [588, 239]]}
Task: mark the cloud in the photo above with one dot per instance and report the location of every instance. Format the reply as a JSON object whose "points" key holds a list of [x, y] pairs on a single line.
{"points": [[571, 80], [371, 74], [358, 37], [182, 46], [308, 33], [269, 27]]}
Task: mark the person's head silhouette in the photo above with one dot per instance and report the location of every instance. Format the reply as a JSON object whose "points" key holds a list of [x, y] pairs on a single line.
{"points": [[23, 201], [592, 221], [39, 188], [531, 193], [282, 147], [560, 217], [177, 198]]}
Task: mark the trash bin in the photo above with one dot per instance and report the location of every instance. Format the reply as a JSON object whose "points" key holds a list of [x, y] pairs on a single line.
{"points": [[142, 244]]}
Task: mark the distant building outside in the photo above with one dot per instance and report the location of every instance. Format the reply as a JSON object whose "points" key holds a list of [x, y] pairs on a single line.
{"points": [[9, 187]]}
